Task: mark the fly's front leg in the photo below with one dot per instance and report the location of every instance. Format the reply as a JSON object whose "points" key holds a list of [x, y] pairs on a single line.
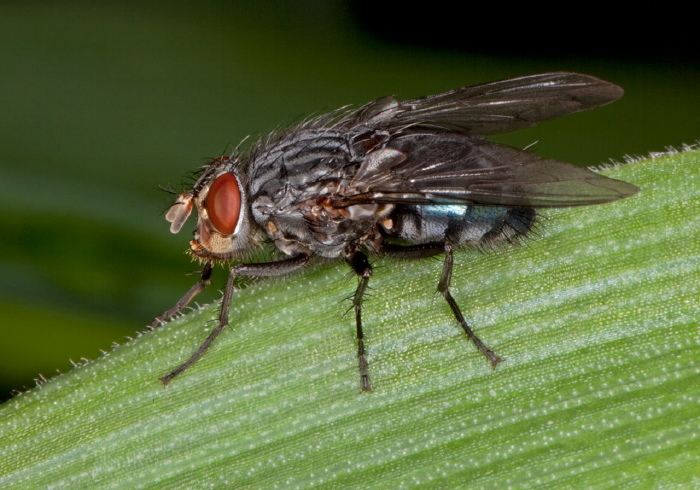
{"points": [[267, 269], [203, 282], [360, 265], [444, 289]]}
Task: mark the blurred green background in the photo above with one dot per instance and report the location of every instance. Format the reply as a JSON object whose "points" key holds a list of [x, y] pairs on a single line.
{"points": [[101, 103]]}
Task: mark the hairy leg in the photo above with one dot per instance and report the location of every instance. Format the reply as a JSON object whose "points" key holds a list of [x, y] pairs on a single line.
{"points": [[266, 269]]}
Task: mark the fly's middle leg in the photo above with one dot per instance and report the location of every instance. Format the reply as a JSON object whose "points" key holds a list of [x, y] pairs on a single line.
{"points": [[360, 265]]}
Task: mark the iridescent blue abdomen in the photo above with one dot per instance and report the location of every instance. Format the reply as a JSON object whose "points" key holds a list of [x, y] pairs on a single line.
{"points": [[460, 224]]}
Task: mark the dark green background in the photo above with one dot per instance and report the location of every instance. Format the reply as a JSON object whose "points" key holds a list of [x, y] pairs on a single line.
{"points": [[100, 104]]}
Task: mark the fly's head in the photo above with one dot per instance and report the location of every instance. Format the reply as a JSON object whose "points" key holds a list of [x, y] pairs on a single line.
{"points": [[223, 222]]}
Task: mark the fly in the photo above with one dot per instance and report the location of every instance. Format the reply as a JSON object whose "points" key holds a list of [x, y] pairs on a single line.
{"points": [[409, 179]]}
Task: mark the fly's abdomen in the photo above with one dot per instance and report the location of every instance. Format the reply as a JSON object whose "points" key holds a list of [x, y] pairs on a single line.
{"points": [[460, 225]]}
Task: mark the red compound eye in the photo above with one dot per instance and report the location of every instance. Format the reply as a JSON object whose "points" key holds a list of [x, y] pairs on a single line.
{"points": [[223, 204]]}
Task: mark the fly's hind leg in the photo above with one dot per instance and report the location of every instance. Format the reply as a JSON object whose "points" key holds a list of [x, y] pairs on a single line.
{"points": [[444, 289], [360, 265], [430, 250]]}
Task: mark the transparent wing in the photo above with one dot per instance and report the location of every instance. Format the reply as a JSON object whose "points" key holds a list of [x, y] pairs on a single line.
{"points": [[449, 168], [495, 107]]}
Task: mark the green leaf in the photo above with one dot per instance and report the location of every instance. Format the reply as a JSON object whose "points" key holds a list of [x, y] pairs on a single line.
{"points": [[596, 317]]}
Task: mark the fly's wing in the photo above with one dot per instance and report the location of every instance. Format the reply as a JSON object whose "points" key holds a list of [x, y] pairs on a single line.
{"points": [[453, 168], [495, 107], [435, 154]]}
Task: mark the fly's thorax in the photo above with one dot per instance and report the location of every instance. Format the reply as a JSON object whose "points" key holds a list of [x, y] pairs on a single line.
{"points": [[297, 185], [223, 222], [458, 224], [301, 160], [317, 226]]}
